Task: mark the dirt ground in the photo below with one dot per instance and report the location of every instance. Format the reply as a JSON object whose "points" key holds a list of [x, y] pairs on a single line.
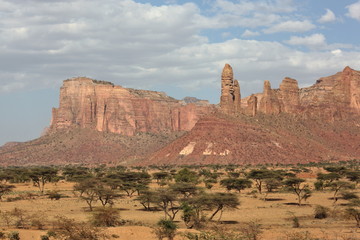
{"points": [[275, 214]]}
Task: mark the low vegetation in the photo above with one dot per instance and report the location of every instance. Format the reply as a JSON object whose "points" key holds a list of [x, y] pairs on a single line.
{"points": [[219, 202]]}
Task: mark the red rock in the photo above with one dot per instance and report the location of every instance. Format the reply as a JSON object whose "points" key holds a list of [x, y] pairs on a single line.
{"points": [[269, 103], [99, 105], [230, 100]]}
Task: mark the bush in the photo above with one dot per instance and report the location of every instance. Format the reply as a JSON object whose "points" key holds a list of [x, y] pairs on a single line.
{"points": [[166, 228], [216, 233], [251, 230], [54, 195], [296, 222], [2, 235], [321, 212], [14, 236], [44, 237], [66, 228], [107, 217]]}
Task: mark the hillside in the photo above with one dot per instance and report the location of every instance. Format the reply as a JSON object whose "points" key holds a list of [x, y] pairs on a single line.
{"points": [[98, 122]]}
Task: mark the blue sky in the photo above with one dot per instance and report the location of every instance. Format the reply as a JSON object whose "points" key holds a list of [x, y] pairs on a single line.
{"points": [[174, 46]]}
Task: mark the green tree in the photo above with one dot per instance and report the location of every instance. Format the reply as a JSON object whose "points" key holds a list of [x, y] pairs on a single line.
{"points": [[354, 210], [301, 190], [167, 200], [260, 175], [220, 201], [353, 176], [146, 198], [185, 188], [237, 184], [336, 186], [186, 176], [166, 228], [42, 175], [5, 189], [88, 191]]}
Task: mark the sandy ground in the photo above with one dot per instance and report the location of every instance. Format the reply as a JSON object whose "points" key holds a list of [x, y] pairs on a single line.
{"points": [[274, 215]]}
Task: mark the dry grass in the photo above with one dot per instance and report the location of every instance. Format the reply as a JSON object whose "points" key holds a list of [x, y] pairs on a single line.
{"points": [[274, 214]]}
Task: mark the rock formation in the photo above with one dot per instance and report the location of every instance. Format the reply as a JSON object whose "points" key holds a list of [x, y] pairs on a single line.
{"points": [[99, 105], [331, 98], [230, 100], [269, 103]]}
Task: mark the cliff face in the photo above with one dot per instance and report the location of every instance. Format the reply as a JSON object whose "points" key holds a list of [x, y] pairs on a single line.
{"points": [[100, 105], [336, 97]]}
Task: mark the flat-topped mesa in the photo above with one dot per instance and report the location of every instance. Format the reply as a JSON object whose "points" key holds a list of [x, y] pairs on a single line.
{"points": [[230, 100], [102, 106]]}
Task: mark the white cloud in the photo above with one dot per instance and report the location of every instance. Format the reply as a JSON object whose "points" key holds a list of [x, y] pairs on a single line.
{"points": [[249, 33], [153, 47], [329, 16], [337, 52], [244, 7], [291, 26], [313, 41], [354, 10]]}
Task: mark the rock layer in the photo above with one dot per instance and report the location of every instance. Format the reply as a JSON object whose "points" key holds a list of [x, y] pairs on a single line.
{"points": [[99, 105], [336, 97]]}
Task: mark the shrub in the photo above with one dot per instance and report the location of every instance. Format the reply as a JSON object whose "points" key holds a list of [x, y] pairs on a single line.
{"points": [[44, 237], [107, 217], [14, 236], [321, 212], [2, 235], [216, 233], [54, 195], [296, 222], [251, 230], [166, 228], [66, 228]]}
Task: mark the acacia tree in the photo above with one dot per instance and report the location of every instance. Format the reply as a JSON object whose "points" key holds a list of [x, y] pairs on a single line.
{"points": [[237, 184], [167, 201], [146, 198], [4, 189], [88, 191], [354, 210], [353, 176], [260, 175], [296, 185], [186, 176], [340, 185], [220, 201], [42, 175]]}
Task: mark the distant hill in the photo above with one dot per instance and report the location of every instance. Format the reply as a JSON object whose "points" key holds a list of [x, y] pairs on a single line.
{"points": [[98, 122]]}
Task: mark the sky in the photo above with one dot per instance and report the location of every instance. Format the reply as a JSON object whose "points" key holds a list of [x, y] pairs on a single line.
{"points": [[175, 46]]}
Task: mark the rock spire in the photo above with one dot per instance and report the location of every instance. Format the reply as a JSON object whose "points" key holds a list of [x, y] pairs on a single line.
{"points": [[230, 100]]}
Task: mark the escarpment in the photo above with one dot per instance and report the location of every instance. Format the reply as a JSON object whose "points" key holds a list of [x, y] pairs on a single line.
{"points": [[102, 106]]}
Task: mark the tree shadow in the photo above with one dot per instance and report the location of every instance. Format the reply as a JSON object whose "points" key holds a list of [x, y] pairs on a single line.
{"points": [[229, 222], [273, 199]]}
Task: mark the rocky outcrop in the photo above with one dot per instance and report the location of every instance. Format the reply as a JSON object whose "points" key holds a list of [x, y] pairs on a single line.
{"points": [[336, 97], [230, 100], [269, 103], [99, 105], [289, 96]]}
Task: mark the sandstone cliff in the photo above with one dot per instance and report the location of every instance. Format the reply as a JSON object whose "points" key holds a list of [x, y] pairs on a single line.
{"points": [[336, 97], [99, 105]]}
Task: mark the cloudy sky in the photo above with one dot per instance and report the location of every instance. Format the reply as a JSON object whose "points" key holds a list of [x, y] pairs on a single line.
{"points": [[176, 46]]}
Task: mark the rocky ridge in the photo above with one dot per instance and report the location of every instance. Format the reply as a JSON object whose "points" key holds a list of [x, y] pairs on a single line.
{"points": [[98, 122]]}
